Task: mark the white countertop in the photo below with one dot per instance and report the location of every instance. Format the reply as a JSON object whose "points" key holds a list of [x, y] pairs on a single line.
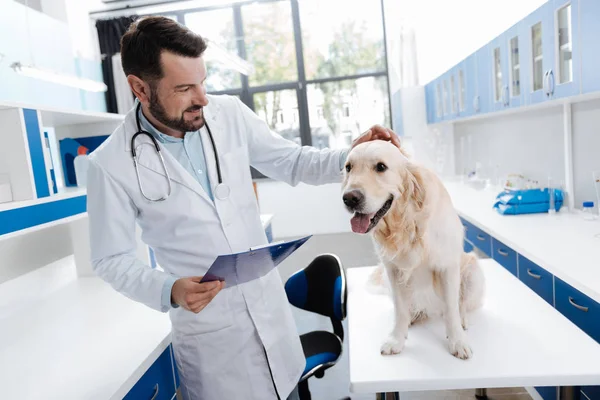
{"points": [[68, 337], [64, 337], [563, 244], [510, 349]]}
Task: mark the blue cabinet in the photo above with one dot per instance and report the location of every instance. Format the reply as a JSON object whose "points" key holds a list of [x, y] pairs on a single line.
{"points": [[577, 307], [517, 76], [565, 55], [467, 246], [547, 392], [483, 100], [505, 256], [158, 382], [589, 14], [591, 392], [537, 278], [470, 85], [552, 53], [499, 63], [538, 49]]}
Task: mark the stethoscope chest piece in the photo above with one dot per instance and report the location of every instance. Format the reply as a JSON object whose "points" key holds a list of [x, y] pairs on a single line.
{"points": [[222, 191]]}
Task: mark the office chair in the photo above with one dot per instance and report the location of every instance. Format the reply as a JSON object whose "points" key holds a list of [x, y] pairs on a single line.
{"points": [[320, 288]]}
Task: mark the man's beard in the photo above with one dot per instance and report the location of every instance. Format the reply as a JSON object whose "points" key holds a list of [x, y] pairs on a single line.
{"points": [[178, 124]]}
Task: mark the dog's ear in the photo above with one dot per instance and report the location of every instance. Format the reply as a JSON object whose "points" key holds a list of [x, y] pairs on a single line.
{"points": [[415, 186]]}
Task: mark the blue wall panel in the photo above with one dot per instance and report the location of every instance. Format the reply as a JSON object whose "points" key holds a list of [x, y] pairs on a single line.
{"points": [[32, 126], [26, 217]]}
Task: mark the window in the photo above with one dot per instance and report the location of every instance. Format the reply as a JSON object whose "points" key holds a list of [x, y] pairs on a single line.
{"points": [[350, 107], [538, 57], [461, 83], [565, 63], [337, 93], [273, 107], [452, 95], [339, 40], [438, 100], [445, 99], [515, 67], [346, 110], [217, 26], [497, 75], [269, 39]]}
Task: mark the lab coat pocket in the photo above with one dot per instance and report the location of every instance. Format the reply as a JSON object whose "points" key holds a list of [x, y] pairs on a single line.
{"points": [[214, 318]]}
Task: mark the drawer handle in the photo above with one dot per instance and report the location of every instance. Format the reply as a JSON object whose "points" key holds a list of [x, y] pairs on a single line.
{"points": [[155, 392], [503, 253], [479, 237], [531, 274], [577, 306]]}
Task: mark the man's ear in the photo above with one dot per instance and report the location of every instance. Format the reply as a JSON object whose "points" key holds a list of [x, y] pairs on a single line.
{"points": [[140, 89], [415, 186]]}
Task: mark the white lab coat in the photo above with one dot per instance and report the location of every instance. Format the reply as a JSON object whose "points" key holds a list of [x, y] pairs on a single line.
{"points": [[221, 352]]}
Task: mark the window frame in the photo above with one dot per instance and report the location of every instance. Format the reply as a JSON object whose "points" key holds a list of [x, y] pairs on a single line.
{"points": [[247, 92]]}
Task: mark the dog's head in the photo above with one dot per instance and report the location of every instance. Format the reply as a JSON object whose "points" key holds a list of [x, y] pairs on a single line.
{"points": [[378, 176]]}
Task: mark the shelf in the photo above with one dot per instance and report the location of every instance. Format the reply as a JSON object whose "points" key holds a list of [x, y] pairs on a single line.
{"points": [[57, 117], [18, 218]]}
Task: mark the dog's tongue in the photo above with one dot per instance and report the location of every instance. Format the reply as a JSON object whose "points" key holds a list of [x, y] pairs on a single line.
{"points": [[360, 222]]}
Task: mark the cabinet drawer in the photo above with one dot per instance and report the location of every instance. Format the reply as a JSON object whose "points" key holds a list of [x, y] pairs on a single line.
{"points": [[477, 237], [157, 382], [591, 392], [577, 307], [505, 256], [537, 278], [481, 240], [547, 392], [468, 247]]}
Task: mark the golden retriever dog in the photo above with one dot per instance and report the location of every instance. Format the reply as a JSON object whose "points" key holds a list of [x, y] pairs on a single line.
{"points": [[419, 240]]}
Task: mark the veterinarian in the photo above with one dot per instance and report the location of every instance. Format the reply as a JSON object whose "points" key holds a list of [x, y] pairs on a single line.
{"points": [[185, 179]]}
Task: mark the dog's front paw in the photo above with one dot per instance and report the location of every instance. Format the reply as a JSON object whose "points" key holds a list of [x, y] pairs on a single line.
{"points": [[459, 348], [393, 345]]}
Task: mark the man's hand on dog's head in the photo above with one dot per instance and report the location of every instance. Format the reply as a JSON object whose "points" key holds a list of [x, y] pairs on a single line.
{"points": [[377, 132]]}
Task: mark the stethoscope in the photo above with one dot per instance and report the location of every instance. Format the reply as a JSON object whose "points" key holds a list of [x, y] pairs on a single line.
{"points": [[221, 191]]}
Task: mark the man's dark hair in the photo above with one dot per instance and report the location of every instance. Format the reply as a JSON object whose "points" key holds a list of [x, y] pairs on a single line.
{"points": [[147, 37]]}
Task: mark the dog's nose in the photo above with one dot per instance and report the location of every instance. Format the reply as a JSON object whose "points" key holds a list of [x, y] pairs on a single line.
{"points": [[353, 198]]}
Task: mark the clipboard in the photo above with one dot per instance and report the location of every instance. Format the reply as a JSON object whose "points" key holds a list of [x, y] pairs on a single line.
{"points": [[238, 268]]}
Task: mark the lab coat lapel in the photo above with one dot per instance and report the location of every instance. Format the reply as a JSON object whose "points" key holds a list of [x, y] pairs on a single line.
{"points": [[210, 115], [147, 158]]}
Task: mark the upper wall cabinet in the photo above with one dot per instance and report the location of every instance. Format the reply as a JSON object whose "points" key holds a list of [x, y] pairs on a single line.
{"points": [[552, 53], [589, 26]]}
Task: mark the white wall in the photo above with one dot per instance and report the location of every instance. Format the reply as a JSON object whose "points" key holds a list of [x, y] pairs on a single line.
{"points": [[25, 253], [448, 31], [530, 143], [586, 150]]}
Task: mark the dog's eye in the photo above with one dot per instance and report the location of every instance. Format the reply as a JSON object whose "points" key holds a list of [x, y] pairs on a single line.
{"points": [[381, 167], [348, 167]]}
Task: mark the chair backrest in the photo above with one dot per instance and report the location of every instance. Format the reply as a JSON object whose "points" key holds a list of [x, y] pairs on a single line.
{"points": [[320, 287]]}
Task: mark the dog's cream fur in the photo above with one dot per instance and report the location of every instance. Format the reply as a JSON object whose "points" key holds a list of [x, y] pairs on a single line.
{"points": [[419, 242]]}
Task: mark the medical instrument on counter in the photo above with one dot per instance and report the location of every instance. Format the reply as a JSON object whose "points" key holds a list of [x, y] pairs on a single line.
{"points": [[596, 176], [588, 211], [551, 199], [221, 191]]}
